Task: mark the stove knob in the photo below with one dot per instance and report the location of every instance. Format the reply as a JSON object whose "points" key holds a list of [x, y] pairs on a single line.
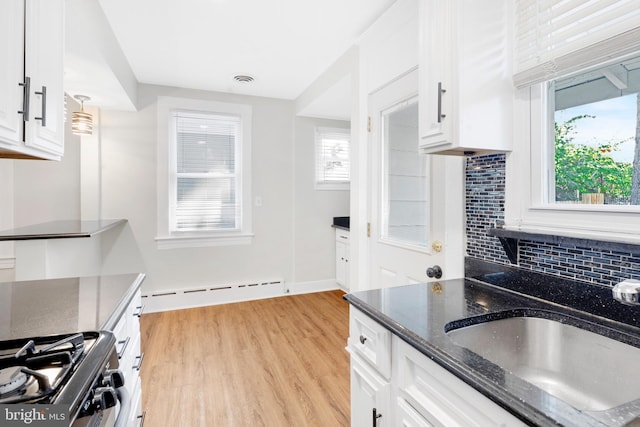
{"points": [[113, 378], [104, 397]]}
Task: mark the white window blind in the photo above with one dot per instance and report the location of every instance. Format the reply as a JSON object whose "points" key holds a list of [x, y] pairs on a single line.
{"points": [[557, 37], [333, 166], [206, 175]]}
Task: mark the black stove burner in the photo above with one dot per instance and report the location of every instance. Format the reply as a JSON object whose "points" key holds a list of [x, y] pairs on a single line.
{"points": [[11, 379], [32, 371], [77, 371]]}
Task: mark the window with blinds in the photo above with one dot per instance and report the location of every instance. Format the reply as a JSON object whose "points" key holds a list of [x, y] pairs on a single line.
{"points": [[333, 166], [558, 37], [206, 172]]}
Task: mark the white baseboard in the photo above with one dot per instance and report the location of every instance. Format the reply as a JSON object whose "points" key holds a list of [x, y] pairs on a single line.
{"points": [[315, 286], [177, 299]]}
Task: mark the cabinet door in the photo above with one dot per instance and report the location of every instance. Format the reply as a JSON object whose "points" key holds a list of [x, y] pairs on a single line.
{"points": [[341, 265], [347, 249], [439, 397], [44, 54], [437, 80], [11, 72], [406, 416], [370, 396]]}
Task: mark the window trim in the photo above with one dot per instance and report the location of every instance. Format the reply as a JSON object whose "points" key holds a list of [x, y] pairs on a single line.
{"points": [[329, 185], [167, 239], [526, 206]]}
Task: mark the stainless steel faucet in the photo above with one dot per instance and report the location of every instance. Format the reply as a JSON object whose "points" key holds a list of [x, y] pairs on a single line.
{"points": [[627, 292]]}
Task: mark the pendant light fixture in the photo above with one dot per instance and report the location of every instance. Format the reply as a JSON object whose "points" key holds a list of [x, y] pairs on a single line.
{"points": [[81, 122]]}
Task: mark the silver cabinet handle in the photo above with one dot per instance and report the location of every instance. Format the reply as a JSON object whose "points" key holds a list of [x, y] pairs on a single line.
{"points": [[139, 364], [139, 311], [43, 118], [124, 343], [440, 92], [26, 90]]}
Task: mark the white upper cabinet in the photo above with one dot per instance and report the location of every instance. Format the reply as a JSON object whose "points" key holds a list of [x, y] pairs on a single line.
{"points": [[31, 79], [466, 86]]}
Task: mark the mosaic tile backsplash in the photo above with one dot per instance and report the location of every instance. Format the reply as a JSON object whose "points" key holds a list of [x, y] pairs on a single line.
{"points": [[485, 194]]}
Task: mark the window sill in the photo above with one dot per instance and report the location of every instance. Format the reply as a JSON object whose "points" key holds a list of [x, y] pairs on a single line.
{"points": [[202, 241], [332, 187], [579, 207], [405, 245]]}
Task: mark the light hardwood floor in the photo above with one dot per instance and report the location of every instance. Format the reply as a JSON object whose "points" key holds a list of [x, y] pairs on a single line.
{"points": [[274, 362]]}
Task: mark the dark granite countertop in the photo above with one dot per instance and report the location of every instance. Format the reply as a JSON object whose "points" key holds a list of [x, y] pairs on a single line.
{"points": [[340, 227], [56, 306], [419, 313], [60, 229], [341, 222]]}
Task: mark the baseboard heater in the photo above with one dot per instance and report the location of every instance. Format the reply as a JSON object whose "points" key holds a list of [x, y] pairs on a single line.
{"points": [[212, 295]]}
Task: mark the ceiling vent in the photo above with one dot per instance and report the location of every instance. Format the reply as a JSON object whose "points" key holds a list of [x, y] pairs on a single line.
{"points": [[242, 78]]}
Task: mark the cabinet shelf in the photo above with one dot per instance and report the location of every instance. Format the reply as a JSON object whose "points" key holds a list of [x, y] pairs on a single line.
{"points": [[60, 230], [510, 240]]}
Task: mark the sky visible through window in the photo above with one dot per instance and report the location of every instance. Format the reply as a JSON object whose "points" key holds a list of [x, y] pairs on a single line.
{"points": [[615, 121]]}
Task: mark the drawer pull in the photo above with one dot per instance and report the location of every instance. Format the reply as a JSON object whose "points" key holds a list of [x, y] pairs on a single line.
{"points": [[440, 92], [26, 92], [124, 344], [141, 417], [138, 365], [43, 117], [362, 339], [139, 311]]}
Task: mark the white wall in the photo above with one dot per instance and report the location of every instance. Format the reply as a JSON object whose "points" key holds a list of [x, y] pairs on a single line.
{"points": [[36, 191], [6, 219], [128, 151], [314, 239], [48, 190]]}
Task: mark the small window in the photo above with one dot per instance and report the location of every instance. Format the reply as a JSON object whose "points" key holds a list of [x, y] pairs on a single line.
{"points": [[596, 136], [333, 166], [572, 172], [204, 173]]}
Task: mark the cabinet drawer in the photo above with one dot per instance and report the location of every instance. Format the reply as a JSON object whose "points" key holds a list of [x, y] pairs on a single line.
{"points": [[342, 235], [441, 398], [370, 340]]}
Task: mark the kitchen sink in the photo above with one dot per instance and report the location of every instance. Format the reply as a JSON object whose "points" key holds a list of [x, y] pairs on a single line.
{"points": [[589, 371]]}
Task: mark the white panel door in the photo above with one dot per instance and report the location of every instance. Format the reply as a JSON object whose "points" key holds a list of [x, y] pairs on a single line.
{"points": [[406, 202]]}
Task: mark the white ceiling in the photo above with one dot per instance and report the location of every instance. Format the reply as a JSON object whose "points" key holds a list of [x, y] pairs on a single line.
{"points": [[284, 44]]}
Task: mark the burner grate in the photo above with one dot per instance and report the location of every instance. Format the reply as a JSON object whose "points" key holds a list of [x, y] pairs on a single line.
{"points": [[33, 371]]}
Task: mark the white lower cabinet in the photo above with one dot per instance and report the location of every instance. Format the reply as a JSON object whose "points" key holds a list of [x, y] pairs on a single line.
{"points": [[127, 333], [417, 393], [370, 396], [342, 258], [406, 416], [438, 397]]}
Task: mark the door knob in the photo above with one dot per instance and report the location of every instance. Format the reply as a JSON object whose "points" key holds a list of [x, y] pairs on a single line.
{"points": [[434, 271]]}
